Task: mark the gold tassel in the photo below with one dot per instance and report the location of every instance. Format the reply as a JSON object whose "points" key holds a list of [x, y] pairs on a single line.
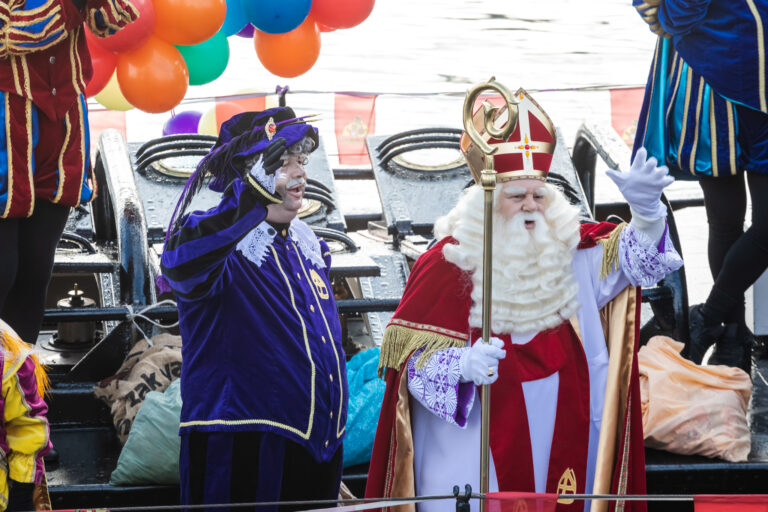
{"points": [[400, 341], [610, 245]]}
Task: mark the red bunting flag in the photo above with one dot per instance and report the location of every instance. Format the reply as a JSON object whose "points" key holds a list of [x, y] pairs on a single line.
{"points": [[730, 503], [100, 120], [520, 502], [625, 109], [355, 117]]}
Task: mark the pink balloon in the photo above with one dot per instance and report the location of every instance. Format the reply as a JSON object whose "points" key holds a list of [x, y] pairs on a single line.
{"points": [[102, 62], [134, 34]]}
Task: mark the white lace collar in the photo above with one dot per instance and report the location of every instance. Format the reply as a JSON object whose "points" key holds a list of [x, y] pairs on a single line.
{"points": [[255, 244]]}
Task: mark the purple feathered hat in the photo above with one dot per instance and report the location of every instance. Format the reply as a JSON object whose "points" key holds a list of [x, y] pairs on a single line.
{"points": [[241, 138]]}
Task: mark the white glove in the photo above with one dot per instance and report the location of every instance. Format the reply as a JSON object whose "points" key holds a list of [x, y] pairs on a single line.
{"points": [[265, 180], [480, 360], [264, 169], [643, 184]]}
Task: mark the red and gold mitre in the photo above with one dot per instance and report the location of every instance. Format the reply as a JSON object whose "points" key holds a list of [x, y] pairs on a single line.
{"points": [[525, 154]]}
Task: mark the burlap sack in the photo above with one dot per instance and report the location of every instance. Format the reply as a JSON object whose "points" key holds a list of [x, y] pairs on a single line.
{"points": [[692, 409], [145, 369]]}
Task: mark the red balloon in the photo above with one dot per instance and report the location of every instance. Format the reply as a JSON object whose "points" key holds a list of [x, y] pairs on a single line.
{"points": [[341, 13], [103, 63], [291, 54], [153, 78], [324, 28], [134, 34], [188, 22]]}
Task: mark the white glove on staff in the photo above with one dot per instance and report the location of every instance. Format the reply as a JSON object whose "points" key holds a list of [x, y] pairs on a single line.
{"points": [[480, 362], [643, 184]]}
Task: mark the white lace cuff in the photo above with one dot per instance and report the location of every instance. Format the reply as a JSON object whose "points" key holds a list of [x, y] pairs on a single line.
{"points": [[645, 262], [438, 387]]}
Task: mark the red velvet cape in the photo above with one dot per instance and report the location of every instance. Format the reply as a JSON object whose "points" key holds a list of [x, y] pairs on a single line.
{"points": [[436, 302]]}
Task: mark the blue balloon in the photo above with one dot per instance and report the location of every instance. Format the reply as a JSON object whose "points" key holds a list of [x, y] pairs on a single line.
{"points": [[276, 16], [236, 19], [183, 122]]}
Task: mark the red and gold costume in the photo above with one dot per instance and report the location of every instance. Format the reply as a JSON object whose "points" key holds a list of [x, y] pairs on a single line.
{"points": [[44, 67], [565, 411]]}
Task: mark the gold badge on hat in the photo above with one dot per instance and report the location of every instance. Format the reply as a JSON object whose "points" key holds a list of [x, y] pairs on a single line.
{"points": [[566, 485], [271, 128]]}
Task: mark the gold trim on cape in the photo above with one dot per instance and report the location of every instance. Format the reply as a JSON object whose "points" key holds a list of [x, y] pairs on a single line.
{"points": [[399, 342], [618, 319], [404, 482]]}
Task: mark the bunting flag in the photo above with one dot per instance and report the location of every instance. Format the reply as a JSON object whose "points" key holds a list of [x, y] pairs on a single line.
{"points": [[625, 108], [730, 503], [520, 502], [355, 119], [354, 115], [100, 120]]}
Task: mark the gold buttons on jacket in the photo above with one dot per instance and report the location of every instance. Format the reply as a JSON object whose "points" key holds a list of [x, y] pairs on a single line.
{"points": [[331, 376], [312, 308], [323, 338], [326, 444], [298, 276]]}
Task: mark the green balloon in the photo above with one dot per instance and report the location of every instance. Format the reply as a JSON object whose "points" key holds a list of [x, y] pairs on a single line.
{"points": [[208, 60]]}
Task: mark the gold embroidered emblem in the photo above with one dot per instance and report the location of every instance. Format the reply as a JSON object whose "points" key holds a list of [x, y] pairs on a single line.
{"points": [[520, 506], [566, 485], [322, 290]]}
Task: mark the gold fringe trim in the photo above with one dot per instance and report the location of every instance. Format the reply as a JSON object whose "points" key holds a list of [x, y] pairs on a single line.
{"points": [[610, 245], [14, 347], [400, 341]]}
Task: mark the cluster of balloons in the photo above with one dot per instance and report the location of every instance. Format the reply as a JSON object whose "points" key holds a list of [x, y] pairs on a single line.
{"points": [[177, 43]]}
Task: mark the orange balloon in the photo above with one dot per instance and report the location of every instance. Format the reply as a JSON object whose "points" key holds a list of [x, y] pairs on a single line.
{"points": [[188, 22], [291, 54], [154, 77]]}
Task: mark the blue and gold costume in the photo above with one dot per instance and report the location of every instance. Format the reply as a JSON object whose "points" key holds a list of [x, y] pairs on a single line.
{"points": [[705, 110]]}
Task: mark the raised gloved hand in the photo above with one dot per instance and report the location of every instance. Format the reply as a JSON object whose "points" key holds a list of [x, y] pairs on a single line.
{"points": [[480, 363], [643, 184], [270, 160]]}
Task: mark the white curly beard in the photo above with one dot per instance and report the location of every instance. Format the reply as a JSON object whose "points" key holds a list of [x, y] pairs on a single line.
{"points": [[534, 287]]}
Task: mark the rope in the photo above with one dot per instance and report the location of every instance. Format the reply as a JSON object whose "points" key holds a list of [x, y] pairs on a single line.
{"points": [[133, 316], [204, 99], [358, 504]]}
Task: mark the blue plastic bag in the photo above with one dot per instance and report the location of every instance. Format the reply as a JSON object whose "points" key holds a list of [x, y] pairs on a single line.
{"points": [[366, 392]]}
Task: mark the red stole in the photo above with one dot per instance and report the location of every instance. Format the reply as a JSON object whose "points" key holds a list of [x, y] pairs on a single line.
{"points": [[550, 351]]}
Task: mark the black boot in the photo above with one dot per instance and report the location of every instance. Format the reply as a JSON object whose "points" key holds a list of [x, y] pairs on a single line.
{"points": [[734, 348], [702, 334]]}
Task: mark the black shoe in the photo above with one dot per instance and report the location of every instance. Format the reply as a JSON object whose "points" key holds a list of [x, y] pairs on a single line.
{"points": [[702, 335], [734, 348]]}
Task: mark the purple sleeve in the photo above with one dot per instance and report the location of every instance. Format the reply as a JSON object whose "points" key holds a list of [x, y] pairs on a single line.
{"points": [[645, 262], [194, 255], [26, 426], [437, 385]]}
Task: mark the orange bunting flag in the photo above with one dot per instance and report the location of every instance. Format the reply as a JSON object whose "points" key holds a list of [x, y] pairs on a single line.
{"points": [[520, 502], [355, 117], [730, 503]]}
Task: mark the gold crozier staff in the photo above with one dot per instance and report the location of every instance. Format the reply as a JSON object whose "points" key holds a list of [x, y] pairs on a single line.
{"points": [[486, 178]]}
